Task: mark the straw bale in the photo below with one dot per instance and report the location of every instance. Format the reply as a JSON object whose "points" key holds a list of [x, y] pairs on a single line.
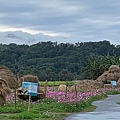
{"points": [[107, 86], [4, 83], [40, 94], [2, 100], [79, 82], [92, 82], [4, 91], [7, 74], [98, 85], [28, 78], [83, 89], [62, 88], [74, 88], [114, 68]]}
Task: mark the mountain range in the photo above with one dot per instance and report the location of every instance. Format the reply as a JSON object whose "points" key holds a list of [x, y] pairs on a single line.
{"points": [[20, 37]]}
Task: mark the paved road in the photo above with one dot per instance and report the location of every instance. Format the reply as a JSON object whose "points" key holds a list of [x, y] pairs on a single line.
{"points": [[106, 110]]}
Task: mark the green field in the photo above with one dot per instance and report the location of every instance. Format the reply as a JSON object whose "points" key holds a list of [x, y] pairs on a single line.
{"points": [[57, 83]]}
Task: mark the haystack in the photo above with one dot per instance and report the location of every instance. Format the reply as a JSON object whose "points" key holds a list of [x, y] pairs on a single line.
{"points": [[7, 75], [98, 85], [4, 83], [107, 86], [28, 78], [62, 88], [4, 91], [74, 88]]}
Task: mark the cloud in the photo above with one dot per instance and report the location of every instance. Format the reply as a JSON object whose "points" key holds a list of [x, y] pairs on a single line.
{"points": [[77, 20]]}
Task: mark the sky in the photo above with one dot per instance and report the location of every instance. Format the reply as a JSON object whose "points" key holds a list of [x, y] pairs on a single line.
{"points": [[75, 20]]}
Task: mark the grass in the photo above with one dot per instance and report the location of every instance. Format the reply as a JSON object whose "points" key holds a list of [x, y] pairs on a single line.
{"points": [[57, 83], [46, 109]]}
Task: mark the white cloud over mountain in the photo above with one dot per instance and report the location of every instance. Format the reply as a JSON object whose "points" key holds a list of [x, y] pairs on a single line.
{"points": [[67, 20]]}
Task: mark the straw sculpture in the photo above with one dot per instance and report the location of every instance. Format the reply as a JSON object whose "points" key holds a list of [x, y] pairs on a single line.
{"points": [[114, 68], [113, 74], [4, 91], [7, 75], [118, 83]]}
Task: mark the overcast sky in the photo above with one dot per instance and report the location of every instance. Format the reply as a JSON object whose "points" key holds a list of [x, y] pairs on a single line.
{"points": [[76, 20]]}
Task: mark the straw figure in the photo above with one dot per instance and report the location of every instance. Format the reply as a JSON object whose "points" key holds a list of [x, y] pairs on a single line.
{"points": [[4, 91], [103, 81], [62, 88], [113, 74], [9, 77], [30, 78], [103, 77], [114, 69]]}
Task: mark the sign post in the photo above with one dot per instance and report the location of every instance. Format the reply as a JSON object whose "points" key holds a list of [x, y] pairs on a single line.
{"points": [[29, 103], [31, 90]]}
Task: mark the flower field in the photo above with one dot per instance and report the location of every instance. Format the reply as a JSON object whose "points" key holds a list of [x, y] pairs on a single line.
{"points": [[72, 97], [78, 96]]}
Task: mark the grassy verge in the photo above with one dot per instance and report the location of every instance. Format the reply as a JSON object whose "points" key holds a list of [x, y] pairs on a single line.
{"points": [[46, 109]]}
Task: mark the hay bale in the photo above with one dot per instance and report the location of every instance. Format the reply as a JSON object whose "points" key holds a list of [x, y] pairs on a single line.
{"points": [[62, 88], [74, 88], [28, 78], [2, 100], [107, 86], [4, 91], [4, 83], [7, 75], [40, 94], [98, 85], [92, 82], [114, 68]]}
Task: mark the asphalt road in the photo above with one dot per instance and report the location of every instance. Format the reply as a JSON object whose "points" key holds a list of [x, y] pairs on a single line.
{"points": [[107, 109]]}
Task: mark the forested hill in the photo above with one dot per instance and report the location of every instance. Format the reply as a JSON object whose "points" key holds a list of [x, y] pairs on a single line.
{"points": [[52, 61]]}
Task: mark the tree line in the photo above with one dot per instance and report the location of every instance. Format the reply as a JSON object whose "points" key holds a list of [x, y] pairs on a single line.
{"points": [[63, 61]]}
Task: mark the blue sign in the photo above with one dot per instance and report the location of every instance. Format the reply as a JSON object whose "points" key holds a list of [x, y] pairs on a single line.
{"points": [[113, 83], [30, 88]]}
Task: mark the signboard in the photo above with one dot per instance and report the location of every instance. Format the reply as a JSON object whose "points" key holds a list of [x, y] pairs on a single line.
{"points": [[113, 83], [30, 88]]}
